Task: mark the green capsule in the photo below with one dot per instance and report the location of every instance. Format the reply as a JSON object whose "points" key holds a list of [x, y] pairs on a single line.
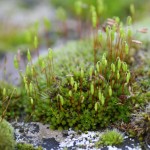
{"points": [[112, 35], [126, 48], [43, 64], [96, 106], [114, 28], [25, 79], [75, 86], [70, 93], [122, 33], [32, 71], [94, 16], [104, 60], [132, 9], [117, 19], [78, 7], [31, 100], [129, 33], [4, 91], [124, 66], [71, 81], [26, 87], [110, 91], [82, 73], [50, 53], [113, 67], [107, 31], [113, 82], [35, 42], [28, 55], [118, 75], [82, 98], [61, 100], [129, 20], [100, 6], [102, 100], [128, 77], [94, 19]]}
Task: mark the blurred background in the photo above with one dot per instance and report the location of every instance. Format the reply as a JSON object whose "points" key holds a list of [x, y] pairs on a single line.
{"points": [[52, 23]]}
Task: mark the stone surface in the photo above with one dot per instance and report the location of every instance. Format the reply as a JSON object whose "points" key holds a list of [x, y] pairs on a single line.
{"points": [[38, 134]]}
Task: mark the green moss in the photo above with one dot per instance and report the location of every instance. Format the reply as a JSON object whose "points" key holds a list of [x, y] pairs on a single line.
{"points": [[110, 137], [85, 94], [7, 141], [78, 86], [24, 146], [12, 102]]}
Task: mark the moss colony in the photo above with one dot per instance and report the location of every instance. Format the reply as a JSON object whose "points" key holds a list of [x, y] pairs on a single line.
{"points": [[86, 94], [110, 137], [7, 141]]}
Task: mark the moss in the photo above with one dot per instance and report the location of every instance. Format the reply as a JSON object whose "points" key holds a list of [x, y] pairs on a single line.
{"points": [[86, 94], [110, 137], [92, 88], [7, 141], [24, 146], [14, 98]]}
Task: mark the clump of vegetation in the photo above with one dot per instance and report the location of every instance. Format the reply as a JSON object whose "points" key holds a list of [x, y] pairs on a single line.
{"points": [[12, 100], [7, 141], [24, 146], [84, 97], [110, 137]]}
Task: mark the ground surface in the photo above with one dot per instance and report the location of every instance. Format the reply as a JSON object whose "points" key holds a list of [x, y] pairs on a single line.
{"points": [[40, 135]]}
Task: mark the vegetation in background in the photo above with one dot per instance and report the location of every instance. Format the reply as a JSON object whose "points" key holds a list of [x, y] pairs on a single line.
{"points": [[14, 39], [110, 8]]}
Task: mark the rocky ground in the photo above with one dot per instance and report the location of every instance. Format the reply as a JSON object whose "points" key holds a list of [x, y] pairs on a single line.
{"points": [[40, 135]]}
